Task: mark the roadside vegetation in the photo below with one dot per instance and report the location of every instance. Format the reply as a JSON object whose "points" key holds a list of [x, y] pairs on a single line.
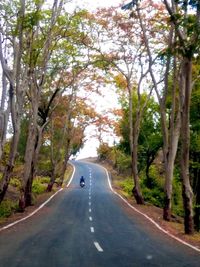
{"points": [[10, 205]]}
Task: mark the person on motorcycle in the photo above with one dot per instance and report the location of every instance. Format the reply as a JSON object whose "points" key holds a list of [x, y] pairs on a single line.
{"points": [[82, 180]]}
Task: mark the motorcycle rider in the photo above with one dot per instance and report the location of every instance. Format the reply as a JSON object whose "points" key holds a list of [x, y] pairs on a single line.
{"points": [[82, 180]]}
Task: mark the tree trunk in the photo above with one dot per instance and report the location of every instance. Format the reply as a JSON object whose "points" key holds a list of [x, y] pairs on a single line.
{"points": [[136, 189], [28, 191], [185, 143], [53, 177], [197, 203], [169, 171], [171, 143], [149, 161], [9, 168], [28, 164], [16, 94], [4, 115], [35, 153], [64, 169]]}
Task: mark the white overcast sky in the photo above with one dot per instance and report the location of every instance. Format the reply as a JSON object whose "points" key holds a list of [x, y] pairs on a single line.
{"points": [[93, 4], [89, 149]]}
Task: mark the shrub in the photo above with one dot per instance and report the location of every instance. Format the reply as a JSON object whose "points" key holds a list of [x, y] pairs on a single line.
{"points": [[40, 184], [123, 162], [154, 196], [43, 179], [7, 207], [44, 165], [15, 182], [127, 185]]}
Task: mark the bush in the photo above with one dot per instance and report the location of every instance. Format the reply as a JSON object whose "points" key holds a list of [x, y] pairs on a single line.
{"points": [[123, 162], [7, 207], [15, 182], [154, 196], [40, 185], [43, 179], [127, 185], [153, 187], [44, 166]]}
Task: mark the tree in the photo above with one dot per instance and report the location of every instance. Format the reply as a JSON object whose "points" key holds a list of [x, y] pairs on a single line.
{"points": [[39, 47], [149, 141], [186, 25], [126, 58], [15, 75], [195, 147]]}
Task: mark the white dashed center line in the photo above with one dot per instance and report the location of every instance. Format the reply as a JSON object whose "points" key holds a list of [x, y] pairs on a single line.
{"points": [[90, 210], [98, 247], [92, 229], [90, 218]]}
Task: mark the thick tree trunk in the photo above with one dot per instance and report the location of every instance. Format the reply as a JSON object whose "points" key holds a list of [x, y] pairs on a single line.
{"points": [[171, 143], [169, 172], [28, 164], [52, 180], [36, 148], [197, 203], [4, 115], [134, 133], [28, 191], [9, 168], [136, 189], [64, 169], [185, 143]]}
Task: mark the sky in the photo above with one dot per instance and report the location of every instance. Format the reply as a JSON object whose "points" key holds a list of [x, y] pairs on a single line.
{"points": [[108, 101], [102, 104], [93, 4]]}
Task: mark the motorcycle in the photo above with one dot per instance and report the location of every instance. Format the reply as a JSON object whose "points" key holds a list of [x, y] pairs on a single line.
{"points": [[82, 184]]}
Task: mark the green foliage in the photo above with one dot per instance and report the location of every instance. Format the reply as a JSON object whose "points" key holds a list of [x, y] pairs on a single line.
{"points": [[177, 202], [44, 165], [123, 162], [154, 196], [15, 182], [7, 207], [6, 152], [152, 190], [40, 185], [127, 185]]}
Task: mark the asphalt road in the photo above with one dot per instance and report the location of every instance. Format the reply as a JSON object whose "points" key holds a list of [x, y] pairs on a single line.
{"points": [[90, 227]]}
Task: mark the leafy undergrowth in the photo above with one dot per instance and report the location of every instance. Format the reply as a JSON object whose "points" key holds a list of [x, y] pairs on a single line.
{"points": [[9, 206], [175, 227]]}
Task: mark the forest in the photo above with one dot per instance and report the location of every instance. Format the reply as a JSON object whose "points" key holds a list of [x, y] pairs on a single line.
{"points": [[56, 62]]}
